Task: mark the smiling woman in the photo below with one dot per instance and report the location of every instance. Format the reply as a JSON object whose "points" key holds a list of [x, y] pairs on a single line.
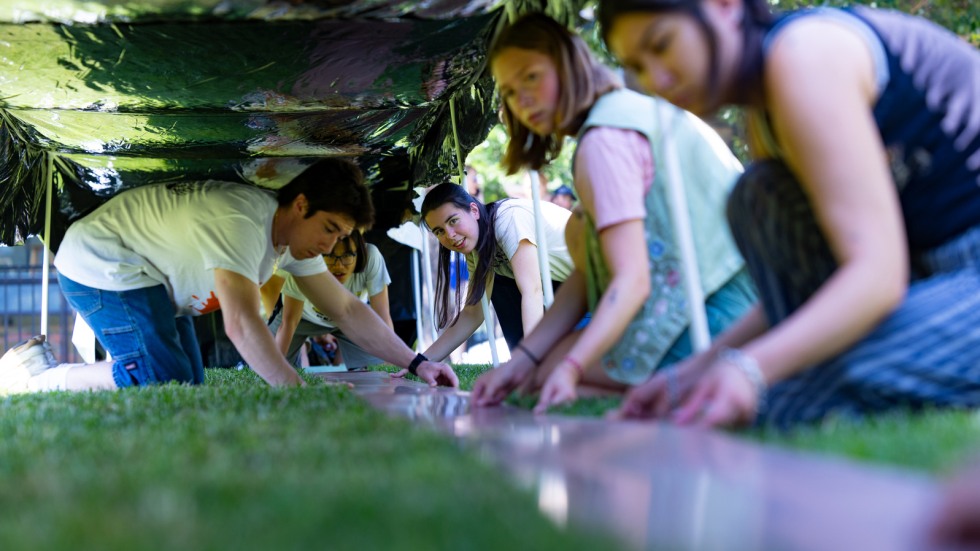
{"points": [[499, 243]]}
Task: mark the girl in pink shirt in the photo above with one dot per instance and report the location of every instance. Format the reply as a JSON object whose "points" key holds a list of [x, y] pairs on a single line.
{"points": [[626, 265]]}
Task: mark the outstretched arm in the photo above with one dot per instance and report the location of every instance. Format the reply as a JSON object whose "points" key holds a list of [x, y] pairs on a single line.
{"points": [[239, 299], [527, 274], [625, 295], [381, 307], [469, 320], [495, 385], [366, 329]]}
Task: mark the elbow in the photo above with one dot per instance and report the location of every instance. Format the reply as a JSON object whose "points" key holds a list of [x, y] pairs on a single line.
{"points": [[892, 293], [643, 289], [236, 323], [884, 290], [234, 328], [638, 288]]}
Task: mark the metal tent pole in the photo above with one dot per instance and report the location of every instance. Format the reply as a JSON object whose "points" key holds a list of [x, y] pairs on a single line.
{"points": [[46, 254], [484, 304], [417, 290]]}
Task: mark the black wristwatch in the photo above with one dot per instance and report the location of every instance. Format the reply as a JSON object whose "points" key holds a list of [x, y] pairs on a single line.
{"points": [[414, 366]]}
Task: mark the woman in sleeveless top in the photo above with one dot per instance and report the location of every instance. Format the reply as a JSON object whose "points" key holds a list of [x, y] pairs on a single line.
{"points": [[859, 221]]}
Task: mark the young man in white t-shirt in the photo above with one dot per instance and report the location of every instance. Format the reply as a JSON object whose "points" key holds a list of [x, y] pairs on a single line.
{"points": [[139, 266]]}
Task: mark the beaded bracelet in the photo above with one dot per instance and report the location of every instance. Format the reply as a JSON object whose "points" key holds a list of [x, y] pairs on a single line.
{"points": [[750, 368], [528, 353]]}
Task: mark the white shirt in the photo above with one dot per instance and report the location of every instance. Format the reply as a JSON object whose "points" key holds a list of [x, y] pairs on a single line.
{"points": [[514, 223], [176, 235], [364, 285]]}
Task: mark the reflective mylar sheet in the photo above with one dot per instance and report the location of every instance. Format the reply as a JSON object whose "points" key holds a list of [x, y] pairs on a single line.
{"points": [[101, 96]]}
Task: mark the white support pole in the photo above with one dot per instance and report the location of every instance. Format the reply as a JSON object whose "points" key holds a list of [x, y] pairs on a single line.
{"points": [[427, 283], [542, 239], [417, 290], [484, 304], [46, 254], [491, 334], [700, 336]]}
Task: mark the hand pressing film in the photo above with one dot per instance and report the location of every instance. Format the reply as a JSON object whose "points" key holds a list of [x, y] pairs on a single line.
{"points": [[433, 373]]}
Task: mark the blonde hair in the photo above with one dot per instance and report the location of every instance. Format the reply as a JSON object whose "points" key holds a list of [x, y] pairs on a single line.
{"points": [[582, 79]]}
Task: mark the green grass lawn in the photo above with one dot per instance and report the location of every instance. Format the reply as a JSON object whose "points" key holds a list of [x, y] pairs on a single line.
{"points": [[237, 465], [936, 442]]}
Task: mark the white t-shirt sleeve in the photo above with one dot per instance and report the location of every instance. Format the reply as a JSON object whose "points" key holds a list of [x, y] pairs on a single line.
{"points": [[513, 224], [306, 267], [376, 272], [291, 289]]}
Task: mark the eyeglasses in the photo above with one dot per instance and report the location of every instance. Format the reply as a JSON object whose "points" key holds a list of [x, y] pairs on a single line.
{"points": [[345, 259]]}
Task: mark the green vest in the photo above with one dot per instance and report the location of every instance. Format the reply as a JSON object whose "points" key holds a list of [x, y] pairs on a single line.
{"points": [[708, 170]]}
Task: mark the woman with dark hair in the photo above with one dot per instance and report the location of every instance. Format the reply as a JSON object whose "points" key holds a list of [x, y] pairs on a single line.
{"points": [[501, 250], [627, 263], [360, 267], [860, 222]]}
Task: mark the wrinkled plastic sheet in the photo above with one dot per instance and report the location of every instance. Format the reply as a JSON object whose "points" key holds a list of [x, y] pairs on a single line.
{"points": [[75, 11], [99, 97]]}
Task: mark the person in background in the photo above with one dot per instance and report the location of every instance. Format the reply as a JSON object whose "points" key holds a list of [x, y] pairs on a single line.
{"points": [[137, 267], [859, 220], [501, 250], [361, 269], [564, 197], [474, 183], [627, 264]]}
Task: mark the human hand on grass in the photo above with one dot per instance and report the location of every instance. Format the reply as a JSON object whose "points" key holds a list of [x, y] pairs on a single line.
{"points": [[433, 373], [723, 397], [663, 391], [437, 373], [559, 388], [493, 386], [650, 400]]}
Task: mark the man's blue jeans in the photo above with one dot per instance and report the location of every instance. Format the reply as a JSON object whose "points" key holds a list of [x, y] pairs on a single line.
{"points": [[138, 328]]}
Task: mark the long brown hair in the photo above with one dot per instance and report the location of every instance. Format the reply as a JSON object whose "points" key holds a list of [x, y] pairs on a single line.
{"points": [[582, 80]]}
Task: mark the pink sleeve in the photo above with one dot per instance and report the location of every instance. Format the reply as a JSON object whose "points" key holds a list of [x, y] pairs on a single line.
{"points": [[618, 166]]}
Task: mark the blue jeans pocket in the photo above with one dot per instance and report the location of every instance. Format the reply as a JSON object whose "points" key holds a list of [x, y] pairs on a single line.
{"points": [[85, 303], [124, 340]]}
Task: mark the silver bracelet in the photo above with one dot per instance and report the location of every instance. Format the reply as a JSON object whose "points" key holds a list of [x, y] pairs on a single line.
{"points": [[750, 368]]}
